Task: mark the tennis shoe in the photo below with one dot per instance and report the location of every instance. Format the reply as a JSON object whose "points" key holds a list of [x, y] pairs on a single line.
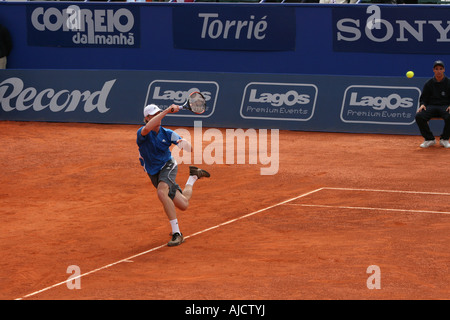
{"points": [[200, 173], [177, 239], [444, 143], [428, 143]]}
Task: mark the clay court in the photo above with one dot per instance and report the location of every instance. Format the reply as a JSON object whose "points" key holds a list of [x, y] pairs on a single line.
{"points": [[76, 195]]}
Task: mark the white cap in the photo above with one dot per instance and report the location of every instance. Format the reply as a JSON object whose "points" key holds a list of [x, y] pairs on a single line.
{"points": [[151, 110]]}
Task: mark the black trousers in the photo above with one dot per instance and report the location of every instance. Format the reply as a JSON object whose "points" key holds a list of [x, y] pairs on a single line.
{"points": [[424, 116]]}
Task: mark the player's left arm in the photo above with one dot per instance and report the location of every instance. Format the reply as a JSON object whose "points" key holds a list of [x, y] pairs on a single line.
{"points": [[180, 142], [184, 145]]}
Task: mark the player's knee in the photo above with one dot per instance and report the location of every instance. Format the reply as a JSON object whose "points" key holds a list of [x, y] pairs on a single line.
{"points": [[181, 202], [184, 205], [163, 193]]}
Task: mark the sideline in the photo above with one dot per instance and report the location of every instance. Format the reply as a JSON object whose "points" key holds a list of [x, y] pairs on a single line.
{"points": [[128, 259]]}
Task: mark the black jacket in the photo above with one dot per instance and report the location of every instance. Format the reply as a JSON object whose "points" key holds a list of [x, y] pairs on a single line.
{"points": [[436, 93]]}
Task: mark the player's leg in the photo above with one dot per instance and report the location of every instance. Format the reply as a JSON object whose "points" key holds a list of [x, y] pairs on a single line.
{"points": [[181, 199], [171, 196], [163, 191], [167, 196], [166, 190]]}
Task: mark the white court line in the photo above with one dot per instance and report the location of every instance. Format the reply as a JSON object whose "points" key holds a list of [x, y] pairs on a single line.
{"points": [[367, 208], [379, 209], [164, 245], [393, 191]]}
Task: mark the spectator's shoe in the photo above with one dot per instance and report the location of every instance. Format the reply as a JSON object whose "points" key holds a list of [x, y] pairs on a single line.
{"points": [[444, 143], [177, 239], [428, 143], [200, 173]]}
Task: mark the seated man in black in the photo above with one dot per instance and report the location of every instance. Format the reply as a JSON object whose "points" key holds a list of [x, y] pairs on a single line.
{"points": [[435, 103]]}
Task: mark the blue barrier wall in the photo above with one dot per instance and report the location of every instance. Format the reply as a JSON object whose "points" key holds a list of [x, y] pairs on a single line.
{"points": [[287, 66], [299, 39], [242, 100]]}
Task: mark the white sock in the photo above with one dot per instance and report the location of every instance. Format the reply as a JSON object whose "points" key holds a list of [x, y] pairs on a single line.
{"points": [[175, 228], [191, 180]]}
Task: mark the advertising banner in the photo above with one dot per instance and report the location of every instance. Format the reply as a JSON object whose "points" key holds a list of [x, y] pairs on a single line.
{"points": [[234, 100], [387, 29], [79, 25], [251, 28], [323, 39], [166, 92], [380, 104], [279, 101]]}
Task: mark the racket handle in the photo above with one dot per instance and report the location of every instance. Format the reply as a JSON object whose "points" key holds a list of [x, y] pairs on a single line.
{"points": [[181, 108]]}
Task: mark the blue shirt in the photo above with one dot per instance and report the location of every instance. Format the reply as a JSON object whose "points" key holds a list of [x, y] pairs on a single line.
{"points": [[154, 149]]}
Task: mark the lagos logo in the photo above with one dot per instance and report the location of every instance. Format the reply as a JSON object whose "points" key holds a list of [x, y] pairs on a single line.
{"points": [[279, 101], [165, 92], [380, 105]]}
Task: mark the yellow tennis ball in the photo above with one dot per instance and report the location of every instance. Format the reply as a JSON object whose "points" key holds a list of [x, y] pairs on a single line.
{"points": [[410, 74]]}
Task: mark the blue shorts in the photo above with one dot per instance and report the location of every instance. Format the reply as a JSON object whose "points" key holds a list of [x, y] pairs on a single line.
{"points": [[167, 174]]}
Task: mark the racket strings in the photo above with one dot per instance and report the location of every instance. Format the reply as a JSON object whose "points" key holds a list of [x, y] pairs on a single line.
{"points": [[197, 103]]}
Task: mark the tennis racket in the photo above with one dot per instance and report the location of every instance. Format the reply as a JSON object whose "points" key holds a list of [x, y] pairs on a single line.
{"points": [[196, 103]]}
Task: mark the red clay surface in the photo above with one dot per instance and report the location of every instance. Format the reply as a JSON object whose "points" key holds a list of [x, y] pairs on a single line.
{"points": [[75, 194]]}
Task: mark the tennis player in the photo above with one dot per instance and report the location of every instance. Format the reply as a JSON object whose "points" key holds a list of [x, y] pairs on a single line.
{"points": [[155, 156]]}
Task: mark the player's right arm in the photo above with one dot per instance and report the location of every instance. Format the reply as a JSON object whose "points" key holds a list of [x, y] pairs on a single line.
{"points": [[155, 122]]}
